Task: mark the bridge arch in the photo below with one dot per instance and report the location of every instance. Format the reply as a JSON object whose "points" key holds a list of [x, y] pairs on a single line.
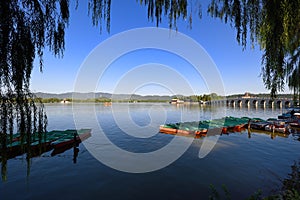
{"points": [[263, 103], [232, 102], [227, 102], [271, 103], [279, 103], [287, 103], [247, 102], [255, 102], [240, 102]]}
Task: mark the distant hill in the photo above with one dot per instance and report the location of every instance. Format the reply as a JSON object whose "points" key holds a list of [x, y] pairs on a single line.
{"points": [[80, 96], [98, 95], [92, 95]]}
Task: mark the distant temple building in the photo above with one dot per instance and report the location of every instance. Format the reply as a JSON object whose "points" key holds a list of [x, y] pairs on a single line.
{"points": [[246, 96]]}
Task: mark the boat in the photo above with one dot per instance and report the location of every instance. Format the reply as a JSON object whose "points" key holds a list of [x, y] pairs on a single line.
{"points": [[39, 143], [277, 126], [294, 125], [166, 129], [259, 125], [272, 125], [202, 128], [66, 147], [43, 138], [290, 112], [72, 137], [285, 116], [274, 128]]}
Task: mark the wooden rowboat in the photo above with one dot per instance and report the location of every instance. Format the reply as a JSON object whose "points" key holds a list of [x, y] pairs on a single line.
{"points": [[72, 137], [44, 142]]}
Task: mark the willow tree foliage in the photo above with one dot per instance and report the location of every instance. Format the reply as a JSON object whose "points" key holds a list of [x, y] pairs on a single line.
{"points": [[294, 83], [172, 9], [26, 28], [275, 25], [100, 11]]}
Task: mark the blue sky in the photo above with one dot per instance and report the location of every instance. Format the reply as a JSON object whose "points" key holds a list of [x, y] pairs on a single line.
{"points": [[240, 70]]}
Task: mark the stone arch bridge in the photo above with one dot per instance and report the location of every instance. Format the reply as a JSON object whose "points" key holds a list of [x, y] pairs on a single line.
{"points": [[254, 101]]}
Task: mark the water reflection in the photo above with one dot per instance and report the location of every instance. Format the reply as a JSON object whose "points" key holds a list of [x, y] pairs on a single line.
{"points": [[234, 152], [206, 112], [272, 135], [296, 133], [56, 141]]}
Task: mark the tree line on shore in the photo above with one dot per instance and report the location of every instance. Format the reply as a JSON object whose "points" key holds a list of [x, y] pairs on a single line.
{"points": [[158, 99]]}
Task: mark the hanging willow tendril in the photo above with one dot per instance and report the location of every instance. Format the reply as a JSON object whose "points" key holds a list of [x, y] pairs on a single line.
{"points": [[275, 25], [26, 28]]}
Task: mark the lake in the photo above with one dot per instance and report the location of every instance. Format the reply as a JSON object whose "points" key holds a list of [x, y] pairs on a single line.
{"points": [[244, 163]]}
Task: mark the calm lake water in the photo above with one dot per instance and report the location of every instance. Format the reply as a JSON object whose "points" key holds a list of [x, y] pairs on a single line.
{"points": [[243, 164]]}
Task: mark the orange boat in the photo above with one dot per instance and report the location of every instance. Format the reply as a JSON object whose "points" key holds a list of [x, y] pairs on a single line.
{"points": [[163, 129], [174, 131]]}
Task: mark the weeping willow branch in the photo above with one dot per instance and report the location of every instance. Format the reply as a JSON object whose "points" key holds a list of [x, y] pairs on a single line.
{"points": [[26, 28], [100, 11], [172, 9], [275, 25]]}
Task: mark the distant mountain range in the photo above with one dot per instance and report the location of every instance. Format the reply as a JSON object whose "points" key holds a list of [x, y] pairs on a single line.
{"points": [[92, 95], [97, 95]]}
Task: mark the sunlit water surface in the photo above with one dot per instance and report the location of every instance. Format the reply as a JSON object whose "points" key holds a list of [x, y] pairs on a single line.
{"points": [[244, 165]]}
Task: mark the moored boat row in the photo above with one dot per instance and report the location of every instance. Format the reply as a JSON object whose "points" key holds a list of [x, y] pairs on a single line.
{"points": [[227, 125], [271, 125], [202, 128]]}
